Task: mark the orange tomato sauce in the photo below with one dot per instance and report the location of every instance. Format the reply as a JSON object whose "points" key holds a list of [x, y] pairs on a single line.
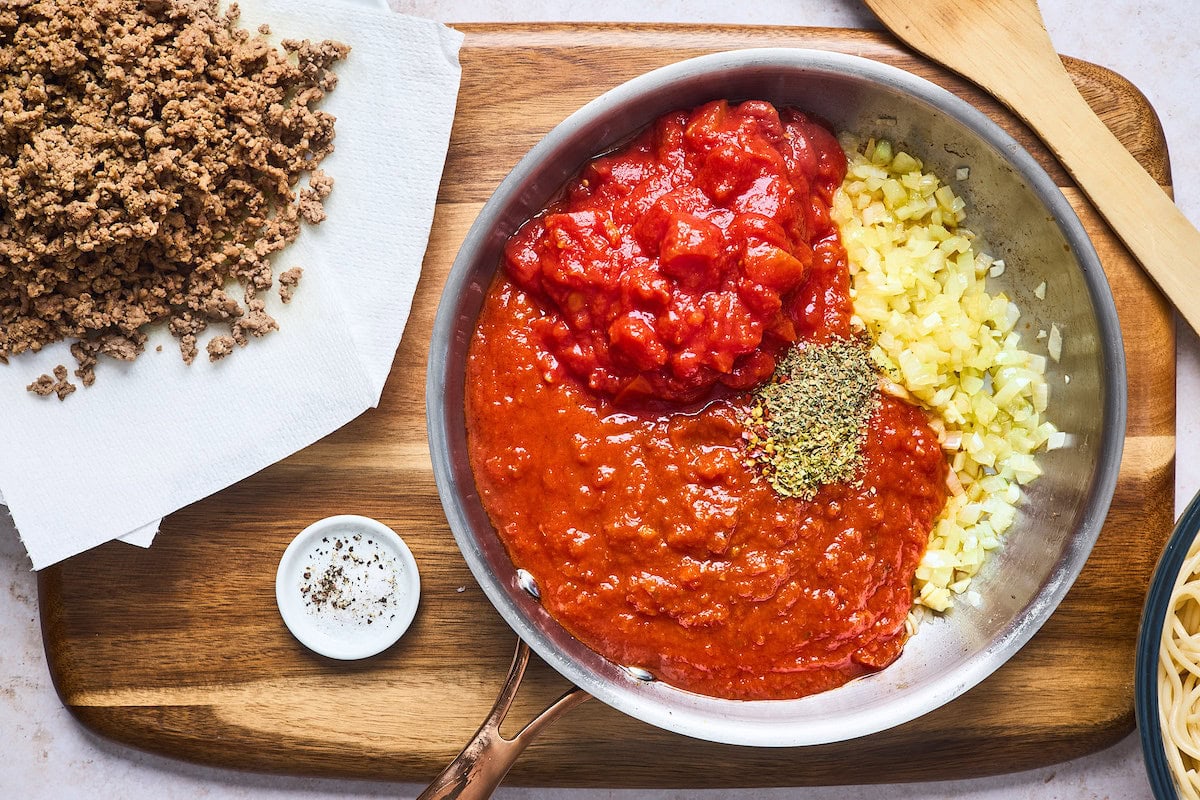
{"points": [[606, 380]]}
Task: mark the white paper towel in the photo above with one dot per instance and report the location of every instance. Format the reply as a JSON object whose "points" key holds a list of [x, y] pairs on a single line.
{"points": [[154, 435]]}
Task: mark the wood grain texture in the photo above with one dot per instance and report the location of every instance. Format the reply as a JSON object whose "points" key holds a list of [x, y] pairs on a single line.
{"points": [[180, 649]]}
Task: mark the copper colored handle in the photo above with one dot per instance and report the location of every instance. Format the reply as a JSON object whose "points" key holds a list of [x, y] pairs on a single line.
{"points": [[476, 772]]}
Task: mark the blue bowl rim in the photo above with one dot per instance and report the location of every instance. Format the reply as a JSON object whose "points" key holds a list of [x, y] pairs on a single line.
{"points": [[1146, 709]]}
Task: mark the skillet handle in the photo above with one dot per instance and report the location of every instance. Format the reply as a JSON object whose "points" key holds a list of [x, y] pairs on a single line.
{"points": [[476, 772]]}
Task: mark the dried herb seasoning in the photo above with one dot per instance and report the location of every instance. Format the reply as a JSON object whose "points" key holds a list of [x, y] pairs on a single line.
{"points": [[807, 424]]}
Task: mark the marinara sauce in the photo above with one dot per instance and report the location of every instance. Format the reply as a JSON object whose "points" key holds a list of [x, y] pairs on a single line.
{"points": [[606, 380], [675, 263]]}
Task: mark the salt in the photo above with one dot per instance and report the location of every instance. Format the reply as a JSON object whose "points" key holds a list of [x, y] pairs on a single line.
{"points": [[350, 581]]}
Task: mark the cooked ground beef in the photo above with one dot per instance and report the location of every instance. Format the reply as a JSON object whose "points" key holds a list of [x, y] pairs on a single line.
{"points": [[150, 152]]}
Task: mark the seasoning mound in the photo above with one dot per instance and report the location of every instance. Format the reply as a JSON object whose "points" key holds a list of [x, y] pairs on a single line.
{"points": [[150, 160], [807, 425]]}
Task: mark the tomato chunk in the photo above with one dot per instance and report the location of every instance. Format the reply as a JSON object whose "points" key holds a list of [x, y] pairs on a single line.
{"points": [[684, 261]]}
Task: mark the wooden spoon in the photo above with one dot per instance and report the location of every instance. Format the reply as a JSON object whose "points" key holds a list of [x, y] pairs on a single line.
{"points": [[1002, 45]]}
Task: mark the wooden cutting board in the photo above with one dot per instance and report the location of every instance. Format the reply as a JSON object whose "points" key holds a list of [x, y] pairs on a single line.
{"points": [[180, 649]]}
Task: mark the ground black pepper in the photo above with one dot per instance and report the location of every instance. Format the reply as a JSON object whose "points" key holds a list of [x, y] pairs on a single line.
{"points": [[350, 579]]}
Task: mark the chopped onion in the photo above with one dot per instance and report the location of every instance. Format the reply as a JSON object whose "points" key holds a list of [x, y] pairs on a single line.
{"points": [[1054, 345], [950, 345]]}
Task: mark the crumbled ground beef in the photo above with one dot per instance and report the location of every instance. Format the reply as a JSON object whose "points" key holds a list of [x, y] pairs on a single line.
{"points": [[56, 384], [256, 322], [220, 346], [288, 280], [43, 386], [150, 155]]}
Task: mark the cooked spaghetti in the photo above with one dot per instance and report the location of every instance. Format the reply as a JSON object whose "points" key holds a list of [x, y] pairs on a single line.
{"points": [[1179, 678]]}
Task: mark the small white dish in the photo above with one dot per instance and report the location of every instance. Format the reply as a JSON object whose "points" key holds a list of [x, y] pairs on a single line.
{"points": [[347, 587]]}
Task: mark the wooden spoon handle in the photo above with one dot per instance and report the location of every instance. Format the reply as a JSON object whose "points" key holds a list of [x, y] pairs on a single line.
{"points": [[1002, 45], [1156, 232]]}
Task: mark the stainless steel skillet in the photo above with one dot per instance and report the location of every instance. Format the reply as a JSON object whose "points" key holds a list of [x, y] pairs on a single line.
{"points": [[1025, 219]]}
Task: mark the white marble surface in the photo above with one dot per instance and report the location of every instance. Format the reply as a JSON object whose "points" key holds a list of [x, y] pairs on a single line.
{"points": [[1154, 43]]}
